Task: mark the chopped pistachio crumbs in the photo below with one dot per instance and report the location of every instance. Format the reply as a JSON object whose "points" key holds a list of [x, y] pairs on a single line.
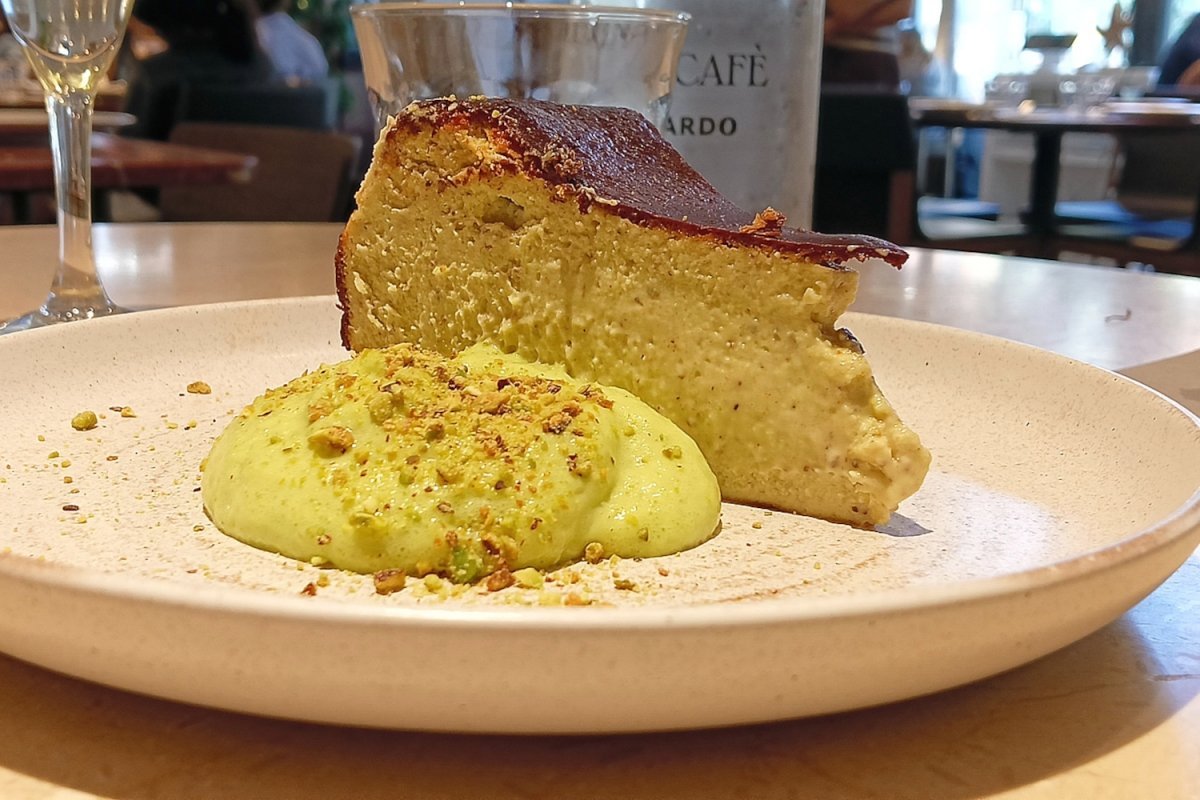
{"points": [[402, 463], [84, 421]]}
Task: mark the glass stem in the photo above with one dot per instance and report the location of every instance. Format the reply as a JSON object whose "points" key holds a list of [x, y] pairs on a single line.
{"points": [[77, 291]]}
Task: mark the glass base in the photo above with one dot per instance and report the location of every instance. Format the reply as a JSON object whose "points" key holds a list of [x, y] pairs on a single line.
{"points": [[41, 318]]}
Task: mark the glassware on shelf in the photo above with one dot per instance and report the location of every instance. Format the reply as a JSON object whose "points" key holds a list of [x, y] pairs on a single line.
{"points": [[70, 45], [1006, 91], [1079, 93]]}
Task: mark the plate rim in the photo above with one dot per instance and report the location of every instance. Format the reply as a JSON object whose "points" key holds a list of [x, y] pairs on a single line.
{"points": [[1182, 522]]}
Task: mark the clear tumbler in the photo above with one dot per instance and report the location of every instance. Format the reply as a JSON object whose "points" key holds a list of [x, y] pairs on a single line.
{"points": [[562, 53]]}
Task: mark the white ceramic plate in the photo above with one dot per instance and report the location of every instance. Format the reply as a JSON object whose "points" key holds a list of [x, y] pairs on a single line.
{"points": [[1060, 495]]}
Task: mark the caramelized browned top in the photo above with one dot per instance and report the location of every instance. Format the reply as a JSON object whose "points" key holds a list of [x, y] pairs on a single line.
{"points": [[616, 155]]}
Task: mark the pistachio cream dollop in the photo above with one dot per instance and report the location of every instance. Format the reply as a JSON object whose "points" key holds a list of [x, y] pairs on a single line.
{"points": [[400, 459]]}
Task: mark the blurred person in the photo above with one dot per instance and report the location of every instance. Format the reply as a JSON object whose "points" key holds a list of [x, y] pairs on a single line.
{"points": [[10, 48], [13, 66], [209, 42], [296, 54], [919, 72], [1181, 65], [862, 42]]}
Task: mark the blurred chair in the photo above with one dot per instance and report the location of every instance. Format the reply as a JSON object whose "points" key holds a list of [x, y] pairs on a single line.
{"points": [[1153, 215], [312, 106], [302, 176]]}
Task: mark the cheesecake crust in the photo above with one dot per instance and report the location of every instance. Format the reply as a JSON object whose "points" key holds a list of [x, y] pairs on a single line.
{"points": [[614, 156]]}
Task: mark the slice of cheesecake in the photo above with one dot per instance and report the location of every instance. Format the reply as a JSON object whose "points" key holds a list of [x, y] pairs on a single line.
{"points": [[577, 235]]}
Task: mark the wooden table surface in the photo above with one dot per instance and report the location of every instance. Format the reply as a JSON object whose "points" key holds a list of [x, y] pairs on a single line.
{"points": [[1116, 715], [121, 163]]}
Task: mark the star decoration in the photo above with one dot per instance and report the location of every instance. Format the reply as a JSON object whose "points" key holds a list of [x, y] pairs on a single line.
{"points": [[1120, 23]]}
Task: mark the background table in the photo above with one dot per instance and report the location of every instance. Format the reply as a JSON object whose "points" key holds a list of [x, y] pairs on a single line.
{"points": [[1114, 716], [34, 123], [1073, 309], [109, 97], [120, 163], [1047, 127]]}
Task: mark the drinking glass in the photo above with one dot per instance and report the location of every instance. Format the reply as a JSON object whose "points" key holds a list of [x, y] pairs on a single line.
{"points": [[70, 45], [582, 55], [1006, 91], [1080, 93]]}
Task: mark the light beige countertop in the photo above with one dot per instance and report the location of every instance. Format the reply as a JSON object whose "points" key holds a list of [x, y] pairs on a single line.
{"points": [[1116, 715], [1108, 317]]}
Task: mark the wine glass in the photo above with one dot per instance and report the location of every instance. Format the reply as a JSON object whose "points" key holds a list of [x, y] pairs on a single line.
{"points": [[70, 45]]}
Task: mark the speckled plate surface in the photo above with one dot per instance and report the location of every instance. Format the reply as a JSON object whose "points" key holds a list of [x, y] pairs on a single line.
{"points": [[1060, 495]]}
